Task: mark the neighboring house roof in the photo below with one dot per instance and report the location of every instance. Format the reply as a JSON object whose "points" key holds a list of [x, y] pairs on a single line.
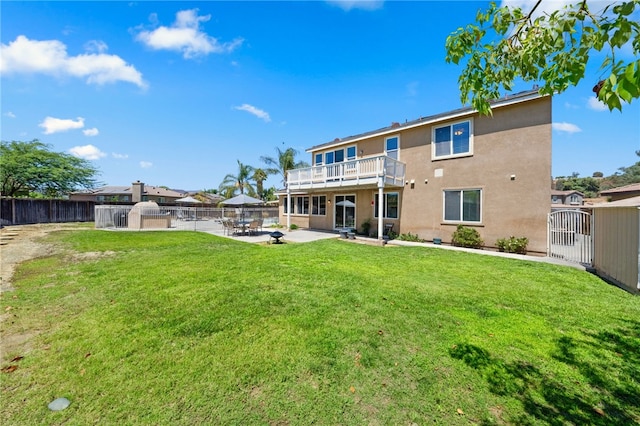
{"points": [[396, 127], [106, 190], [126, 190], [634, 187], [211, 198], [627, 202], [161, 192], [565, 193]]}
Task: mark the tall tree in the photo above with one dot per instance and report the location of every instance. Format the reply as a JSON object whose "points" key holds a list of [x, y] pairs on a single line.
{"points": [[286, 161], [259, 176], [31, 167], [550, 49], [240, 182]]}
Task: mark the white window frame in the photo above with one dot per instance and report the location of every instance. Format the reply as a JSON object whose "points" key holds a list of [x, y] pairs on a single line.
{"points": [[295, 211], [315, 158], [397, 150], [315, 200], [450, 125], [461, 191], [355, 152], [385, 205], [300, 205]]}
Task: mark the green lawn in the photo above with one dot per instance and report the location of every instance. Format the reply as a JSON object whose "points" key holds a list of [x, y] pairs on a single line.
{"points": [[189, 328]]}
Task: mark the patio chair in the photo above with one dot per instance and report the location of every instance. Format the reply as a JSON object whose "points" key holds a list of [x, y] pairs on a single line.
{"points": [[228, 227], [388, 227], [237, 227], [255, 226]]}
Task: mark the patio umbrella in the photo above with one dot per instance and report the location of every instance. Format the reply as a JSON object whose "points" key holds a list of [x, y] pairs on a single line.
{"points": [[346, 203], [184, 212], [188, 199], [241, 201]]}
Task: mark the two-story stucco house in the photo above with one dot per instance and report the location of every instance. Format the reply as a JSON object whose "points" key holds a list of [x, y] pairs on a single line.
{"points": [[491, 173]]}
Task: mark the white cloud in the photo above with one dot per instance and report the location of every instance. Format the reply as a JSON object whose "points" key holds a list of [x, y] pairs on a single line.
{"points": [[357, 4], [119, 156], [10, 114], [255, 111], [91, 132], [185, 36], [595, 104], [566, 127], [97, 46], [87, 152], [55, 125], [146, 164], [50, 57]]}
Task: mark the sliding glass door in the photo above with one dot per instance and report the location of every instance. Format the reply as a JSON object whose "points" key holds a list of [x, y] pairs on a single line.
{"points": [[345, 211]]}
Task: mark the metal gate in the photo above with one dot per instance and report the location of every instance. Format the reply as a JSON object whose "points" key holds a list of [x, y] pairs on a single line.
{"points": [[570, 236]]}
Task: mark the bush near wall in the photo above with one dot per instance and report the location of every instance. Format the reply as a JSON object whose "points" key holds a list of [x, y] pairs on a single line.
{"points": [[464, 236], [513, 245]]}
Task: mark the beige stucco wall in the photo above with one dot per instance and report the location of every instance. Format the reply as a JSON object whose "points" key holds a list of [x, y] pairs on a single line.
{"points": [[516, 141]]}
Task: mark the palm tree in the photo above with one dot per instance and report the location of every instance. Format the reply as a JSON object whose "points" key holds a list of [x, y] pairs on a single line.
{"points": [[286, 161], [238, 182], [259, 176]]}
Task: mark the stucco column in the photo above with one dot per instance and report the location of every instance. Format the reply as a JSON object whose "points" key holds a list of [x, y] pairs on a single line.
{"points": [[288, 207], [380, 207]]}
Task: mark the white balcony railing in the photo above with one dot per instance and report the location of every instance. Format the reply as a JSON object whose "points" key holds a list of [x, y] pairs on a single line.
{"points": [[363, 171]]}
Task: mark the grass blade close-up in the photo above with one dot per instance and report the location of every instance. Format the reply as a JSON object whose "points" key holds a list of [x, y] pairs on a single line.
{"points": [[191, 328]]}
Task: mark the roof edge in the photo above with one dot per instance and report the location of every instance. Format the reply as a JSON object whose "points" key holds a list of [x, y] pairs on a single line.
{"points": [[422, 121]]}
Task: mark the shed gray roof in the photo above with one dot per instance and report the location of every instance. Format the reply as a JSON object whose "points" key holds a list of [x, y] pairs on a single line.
{"points": [[627, 202]]}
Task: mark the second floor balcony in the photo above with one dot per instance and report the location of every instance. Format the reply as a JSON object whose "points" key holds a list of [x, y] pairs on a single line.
{"points": [[360, 172]]}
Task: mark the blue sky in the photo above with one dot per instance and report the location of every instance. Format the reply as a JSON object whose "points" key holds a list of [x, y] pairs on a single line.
{"points": [[173, 93]]}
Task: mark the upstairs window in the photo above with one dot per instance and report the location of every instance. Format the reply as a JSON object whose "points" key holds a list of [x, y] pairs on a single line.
{"points": [[452, 140], [328, 158], [392, 146], [318, 160], [351, 153]]}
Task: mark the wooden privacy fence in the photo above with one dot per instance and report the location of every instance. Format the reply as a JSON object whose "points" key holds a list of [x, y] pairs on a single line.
{"points": [[24, 211]]}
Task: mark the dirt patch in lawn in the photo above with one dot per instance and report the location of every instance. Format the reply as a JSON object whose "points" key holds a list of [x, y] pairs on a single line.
{"points": [[24, 242], [19, 244]]}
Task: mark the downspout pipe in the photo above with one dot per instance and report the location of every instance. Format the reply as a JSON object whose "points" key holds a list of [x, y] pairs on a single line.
{"points": [[288, 207], [380, 207]]}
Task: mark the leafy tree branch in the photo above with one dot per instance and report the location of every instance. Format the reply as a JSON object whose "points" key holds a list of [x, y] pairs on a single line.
{"points": [[506, 45]]}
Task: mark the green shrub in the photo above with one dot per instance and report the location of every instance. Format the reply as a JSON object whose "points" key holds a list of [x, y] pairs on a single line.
{"points": [[410, 237], [513, 244], [293, 227], [366, 227], [464, 236]]}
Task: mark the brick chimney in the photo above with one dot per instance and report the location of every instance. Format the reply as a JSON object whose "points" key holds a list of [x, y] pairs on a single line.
{"points": [[137, 189]]}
